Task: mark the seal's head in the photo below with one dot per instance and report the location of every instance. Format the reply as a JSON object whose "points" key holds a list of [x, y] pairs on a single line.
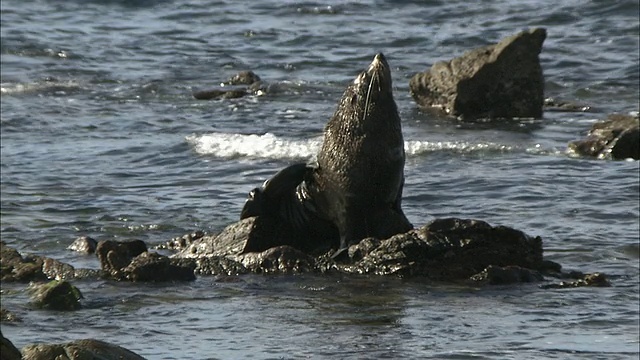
{"points": [[370, 96]]}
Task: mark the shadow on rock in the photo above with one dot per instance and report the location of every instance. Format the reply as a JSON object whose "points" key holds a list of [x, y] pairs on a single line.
{"points": [[504, 80], [617, 138]]}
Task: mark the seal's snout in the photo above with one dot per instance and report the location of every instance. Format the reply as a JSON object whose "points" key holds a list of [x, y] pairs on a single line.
{"points": [[379, 58]]}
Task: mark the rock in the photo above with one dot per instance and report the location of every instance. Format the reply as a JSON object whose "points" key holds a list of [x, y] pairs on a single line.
{"points": [[87, 349], [594, 280], [84, 244], [114, 255], [220, 93], [445, 249], [551, 104], [280, 259], [15, 267], [450, 249], [56, 295], [253, 234], [502, 275], [247, 77], [7, 350], [617, 137], [130, 260], [8, 316], [181, 242], [504, 80], [230, 90], [155, 267]]}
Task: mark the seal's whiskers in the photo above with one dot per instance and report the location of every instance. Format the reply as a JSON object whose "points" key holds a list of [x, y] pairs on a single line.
{"points": [[375, 79]]}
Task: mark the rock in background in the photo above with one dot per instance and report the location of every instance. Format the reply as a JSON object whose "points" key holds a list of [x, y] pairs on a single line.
{"points": [[496, 81], [617, 137]]}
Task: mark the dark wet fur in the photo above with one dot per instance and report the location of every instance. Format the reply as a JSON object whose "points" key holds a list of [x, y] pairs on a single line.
{"points": [[355, 190]]}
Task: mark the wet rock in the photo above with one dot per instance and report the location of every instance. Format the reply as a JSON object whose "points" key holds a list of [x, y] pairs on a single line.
{"points": [[445, 249], [7, 350], [450, 249], [181, 242], [551, 104], [155, 267], [84, 244], [218, 265], [15, 267], [593, 280], [279, 259], [56, 295], [617, 137], [79, 350], [114, 255], [220, 94], [253, 234], [8, 316], [231, 89], [130, 260], [247, 77], [504, 80], [502, 275]]}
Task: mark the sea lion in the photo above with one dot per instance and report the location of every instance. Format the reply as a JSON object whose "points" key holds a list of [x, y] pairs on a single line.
{"points": [[355, 189]]}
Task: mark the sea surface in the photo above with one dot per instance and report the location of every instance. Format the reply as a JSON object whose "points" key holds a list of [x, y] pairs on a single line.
{"points": [[100, 136]]}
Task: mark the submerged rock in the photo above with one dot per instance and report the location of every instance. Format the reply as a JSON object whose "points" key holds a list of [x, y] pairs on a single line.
{"points": [[504, 80], [56, 295], [87, 349], [230, 88], [617, 137], [581, 280]]}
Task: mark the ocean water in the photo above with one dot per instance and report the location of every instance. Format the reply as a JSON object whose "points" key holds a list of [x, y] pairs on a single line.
{"points": [[100, 136]]}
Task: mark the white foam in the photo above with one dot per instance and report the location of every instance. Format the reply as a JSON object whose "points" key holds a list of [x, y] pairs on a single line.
{"points": [[421, 147], [268, 146]]}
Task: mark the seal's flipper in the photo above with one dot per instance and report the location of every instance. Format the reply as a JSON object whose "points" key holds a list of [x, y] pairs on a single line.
{"points": [[267, 198], [285, 180]]}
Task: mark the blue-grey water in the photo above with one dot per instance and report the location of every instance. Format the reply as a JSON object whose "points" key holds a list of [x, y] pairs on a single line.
{"points": [[101, 137]]}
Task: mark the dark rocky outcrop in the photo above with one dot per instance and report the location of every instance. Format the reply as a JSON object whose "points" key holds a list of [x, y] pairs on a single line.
{"points": [[56, 295], [231, 89], [445, 249], [504, 80], [15, 267], [87, 349], [84, 244], [115, 255], [130, 260], [155, 267], [617, 137], [7, 350]]}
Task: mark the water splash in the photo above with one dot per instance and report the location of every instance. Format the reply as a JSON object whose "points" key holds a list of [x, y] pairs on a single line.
{"points": [[270, 146]]}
